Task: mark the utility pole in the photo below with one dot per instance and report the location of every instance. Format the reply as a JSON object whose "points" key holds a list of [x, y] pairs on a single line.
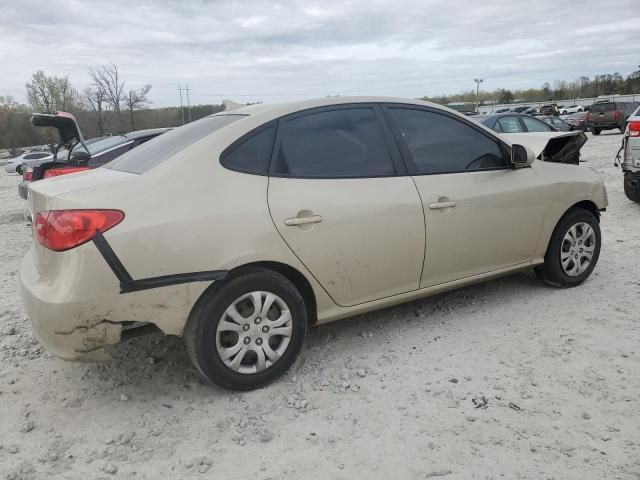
{"points": [[478, 82], [181, 109], [187, 89]]}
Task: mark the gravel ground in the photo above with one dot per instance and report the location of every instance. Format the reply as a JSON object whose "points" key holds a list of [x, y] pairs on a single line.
{"points": [[507, 379]]}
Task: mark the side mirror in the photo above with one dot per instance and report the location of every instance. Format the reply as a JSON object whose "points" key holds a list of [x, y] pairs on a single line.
{"points": [[521, 156], [80, 156]]}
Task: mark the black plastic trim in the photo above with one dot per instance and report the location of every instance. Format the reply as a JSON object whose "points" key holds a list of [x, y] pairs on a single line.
{"points": [[128, 284]]}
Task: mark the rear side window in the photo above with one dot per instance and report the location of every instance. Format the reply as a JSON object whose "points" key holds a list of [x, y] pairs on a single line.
{"points": [[333, 144], [251, 155], [603, 107], [535, 125], [509, 125], [440, 144], [163, 147]]}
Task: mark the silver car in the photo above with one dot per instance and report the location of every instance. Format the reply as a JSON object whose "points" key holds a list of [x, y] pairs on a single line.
{"points": [[631, 162]]}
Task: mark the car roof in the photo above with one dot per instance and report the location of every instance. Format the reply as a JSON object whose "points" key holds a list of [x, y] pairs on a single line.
{"points": [[151, 132], [276, 110]]}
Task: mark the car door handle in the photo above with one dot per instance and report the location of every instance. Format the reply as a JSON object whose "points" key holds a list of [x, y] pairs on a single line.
{"points": [[296, 221], [438, 205]]}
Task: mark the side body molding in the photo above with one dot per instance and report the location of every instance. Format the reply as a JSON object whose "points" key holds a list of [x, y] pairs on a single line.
{"points": [[128, 284]]}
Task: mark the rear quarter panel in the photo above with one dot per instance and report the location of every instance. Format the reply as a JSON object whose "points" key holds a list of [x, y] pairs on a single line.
{"points": [[193, 215]]}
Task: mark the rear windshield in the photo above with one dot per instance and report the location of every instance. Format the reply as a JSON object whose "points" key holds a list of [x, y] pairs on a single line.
{"points": [[161, 148], [603, 107], [100, 144]]}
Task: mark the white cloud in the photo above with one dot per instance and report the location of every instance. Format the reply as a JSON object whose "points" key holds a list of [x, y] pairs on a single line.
{"points": [[283, 49]]}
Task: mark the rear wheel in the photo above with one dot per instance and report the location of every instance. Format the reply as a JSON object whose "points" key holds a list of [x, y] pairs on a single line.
{"points": [[573, 250], [595, 131], [19, 169], [247, 332], [632, 186]]}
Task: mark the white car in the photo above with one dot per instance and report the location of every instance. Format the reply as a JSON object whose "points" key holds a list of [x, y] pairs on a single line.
{"points": [[242, 229], [569, 109], [15, 165]]}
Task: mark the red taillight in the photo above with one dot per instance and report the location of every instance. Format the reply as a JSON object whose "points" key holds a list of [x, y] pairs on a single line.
{"points": [[56, 172], [60, 230], [27, 174], [634, 128], [618, 114]]}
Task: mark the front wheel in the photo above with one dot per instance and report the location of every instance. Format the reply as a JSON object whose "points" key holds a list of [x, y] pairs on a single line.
{"points": [[247, 332], [573, 250], [595, 131]]}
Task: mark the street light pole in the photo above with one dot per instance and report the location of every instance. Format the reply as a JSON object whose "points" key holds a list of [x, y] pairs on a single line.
{"points": [[478, 82]]}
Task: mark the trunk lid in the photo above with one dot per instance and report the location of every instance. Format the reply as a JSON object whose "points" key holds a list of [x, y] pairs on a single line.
{"points": [[67, 126]]}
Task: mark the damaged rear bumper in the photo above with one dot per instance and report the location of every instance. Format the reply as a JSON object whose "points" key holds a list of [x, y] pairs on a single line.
{"points": [[67, 329]]}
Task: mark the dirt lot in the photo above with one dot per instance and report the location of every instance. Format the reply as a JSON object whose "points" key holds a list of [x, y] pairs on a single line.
{"points": [[509, 379]]}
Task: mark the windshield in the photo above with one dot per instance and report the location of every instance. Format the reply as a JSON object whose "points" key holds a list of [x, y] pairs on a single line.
{"points": [[160, 149]]}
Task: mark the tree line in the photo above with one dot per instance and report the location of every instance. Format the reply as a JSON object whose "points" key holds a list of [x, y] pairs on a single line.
{"points": [[105, 107], [582, 87]]}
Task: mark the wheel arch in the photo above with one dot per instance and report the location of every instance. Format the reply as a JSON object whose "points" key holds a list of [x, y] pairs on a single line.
{"points": [[292, 274], [588, 205]]}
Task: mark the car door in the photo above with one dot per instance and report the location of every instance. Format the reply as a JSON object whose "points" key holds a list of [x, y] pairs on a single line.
{"points": [[342, 201], [481, 215]]}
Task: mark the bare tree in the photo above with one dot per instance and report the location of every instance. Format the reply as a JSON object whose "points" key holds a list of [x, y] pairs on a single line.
{"points": [[96, 98], [108, 77], [136, 100]]}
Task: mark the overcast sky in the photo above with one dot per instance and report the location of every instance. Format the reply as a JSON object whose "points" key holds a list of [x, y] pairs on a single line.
{"points": [[274, 50]]}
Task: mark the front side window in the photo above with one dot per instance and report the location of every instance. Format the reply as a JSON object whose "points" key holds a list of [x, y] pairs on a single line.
{"points": [[251, 155], [535, 125], [438, 143], [509, 125], [347, 142]]}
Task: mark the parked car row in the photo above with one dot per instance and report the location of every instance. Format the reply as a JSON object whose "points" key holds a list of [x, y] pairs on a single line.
{"points": [[84, 155]]}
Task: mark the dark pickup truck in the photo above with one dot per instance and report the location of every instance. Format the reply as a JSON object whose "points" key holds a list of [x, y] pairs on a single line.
{"points": [[609, 116]]}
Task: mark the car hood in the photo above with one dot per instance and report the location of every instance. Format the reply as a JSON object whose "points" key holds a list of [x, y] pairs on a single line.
{"points": [[66, 125], [560, 147]]}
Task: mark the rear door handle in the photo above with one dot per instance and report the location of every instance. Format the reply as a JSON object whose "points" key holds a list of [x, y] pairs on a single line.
{"points": [[438, 205], [296, 221]]}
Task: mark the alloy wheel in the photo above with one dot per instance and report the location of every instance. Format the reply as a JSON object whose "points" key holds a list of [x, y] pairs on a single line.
{"points": [[578, 246], [254, 332]]}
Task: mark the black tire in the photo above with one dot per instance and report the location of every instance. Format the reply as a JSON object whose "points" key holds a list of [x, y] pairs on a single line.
{"points": [[551, 270], [595, 131], [200, 332], [622, 128], [632, 186], [19, 170]]}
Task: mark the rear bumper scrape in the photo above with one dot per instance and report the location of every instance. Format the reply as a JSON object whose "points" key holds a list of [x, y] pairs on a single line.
{"points": [[128, 284]]}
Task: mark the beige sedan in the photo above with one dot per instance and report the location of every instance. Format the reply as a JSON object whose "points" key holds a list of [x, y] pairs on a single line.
{"points": [[242, 229]]}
